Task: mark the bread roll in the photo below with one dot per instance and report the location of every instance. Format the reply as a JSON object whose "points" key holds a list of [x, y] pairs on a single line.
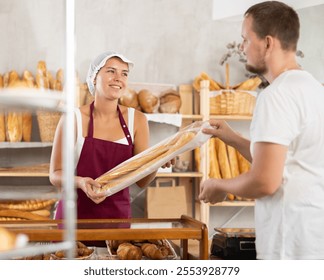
{"points": [[129, 99], [128, 251], [148, 101], [154, 252], [170, 102]]}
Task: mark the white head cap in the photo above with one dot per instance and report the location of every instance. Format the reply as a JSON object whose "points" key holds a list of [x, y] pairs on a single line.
{"points": [[98, 63]]}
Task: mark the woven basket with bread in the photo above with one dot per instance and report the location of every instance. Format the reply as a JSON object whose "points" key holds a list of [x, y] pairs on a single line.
{"points": [[151, 249], [230, 100]]}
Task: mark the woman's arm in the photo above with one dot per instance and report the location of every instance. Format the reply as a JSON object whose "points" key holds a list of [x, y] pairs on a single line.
{"points": [[87, 184]]}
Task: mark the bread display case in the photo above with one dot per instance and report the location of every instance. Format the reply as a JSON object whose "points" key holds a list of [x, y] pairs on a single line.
{"points": [[182, 229]]}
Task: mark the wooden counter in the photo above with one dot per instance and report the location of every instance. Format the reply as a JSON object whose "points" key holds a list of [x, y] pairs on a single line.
{"points": [[183, 229]]}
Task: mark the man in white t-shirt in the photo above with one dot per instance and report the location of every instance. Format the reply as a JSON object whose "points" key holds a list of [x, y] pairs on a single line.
{"points": [[286, 146]]}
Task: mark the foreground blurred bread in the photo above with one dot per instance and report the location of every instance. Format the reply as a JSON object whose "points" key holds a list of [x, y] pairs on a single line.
{"points": [[154, 252], [7, 239], [148, 101]]}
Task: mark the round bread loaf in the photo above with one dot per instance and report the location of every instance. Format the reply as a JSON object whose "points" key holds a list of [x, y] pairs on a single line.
{"points": [[129, 99], [148, 101], [170, 102]]}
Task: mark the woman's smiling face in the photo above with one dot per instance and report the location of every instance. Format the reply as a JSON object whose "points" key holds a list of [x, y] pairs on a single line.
{"points": [[112, 78]]}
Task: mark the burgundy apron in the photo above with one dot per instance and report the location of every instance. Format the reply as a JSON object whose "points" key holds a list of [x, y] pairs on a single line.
{"points": [[97, 157]]}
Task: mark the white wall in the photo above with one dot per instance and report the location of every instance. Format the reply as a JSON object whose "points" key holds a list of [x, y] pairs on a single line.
{"points": [[170, 41]]}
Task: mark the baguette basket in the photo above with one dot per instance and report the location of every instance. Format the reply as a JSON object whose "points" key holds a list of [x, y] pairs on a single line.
{"points": [[232, 102]]}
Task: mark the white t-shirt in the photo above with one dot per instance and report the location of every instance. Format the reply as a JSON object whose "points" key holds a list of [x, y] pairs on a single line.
{"points": [[80, 138], [290, 223]]}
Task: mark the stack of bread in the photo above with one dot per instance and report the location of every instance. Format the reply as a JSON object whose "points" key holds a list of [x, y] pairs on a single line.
{"points": [[139, 249], [12, 210], [16, 126], [224, 162], [82, 252], [147, 101]]}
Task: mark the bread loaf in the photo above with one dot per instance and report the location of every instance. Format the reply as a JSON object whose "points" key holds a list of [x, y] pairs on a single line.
{"points": [[154, 252], [148, 101], [130, 99], [170, 102], [128, 251]]}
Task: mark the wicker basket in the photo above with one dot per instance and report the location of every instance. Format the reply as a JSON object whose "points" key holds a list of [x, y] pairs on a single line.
{"points": [[231, 102], [47, 123]]}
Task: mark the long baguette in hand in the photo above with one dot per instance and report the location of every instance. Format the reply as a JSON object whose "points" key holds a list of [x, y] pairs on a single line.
{"points": [[140, 163]]}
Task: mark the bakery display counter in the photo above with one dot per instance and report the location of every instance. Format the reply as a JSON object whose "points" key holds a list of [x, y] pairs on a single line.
{"points": [[183, 229]]}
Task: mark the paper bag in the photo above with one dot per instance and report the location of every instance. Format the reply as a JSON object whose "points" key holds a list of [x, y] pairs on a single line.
{"points": [[166, 201]]}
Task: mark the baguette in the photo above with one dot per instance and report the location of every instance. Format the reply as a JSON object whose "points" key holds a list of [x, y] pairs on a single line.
{"points": [[224, 165], [133, 167], [232, 156], [27, 205], [244, 164], [21, 214], [214, 171], [27, 116]]}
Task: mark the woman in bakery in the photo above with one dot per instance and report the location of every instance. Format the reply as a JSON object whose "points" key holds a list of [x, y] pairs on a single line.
{"points": [[106, 135]]}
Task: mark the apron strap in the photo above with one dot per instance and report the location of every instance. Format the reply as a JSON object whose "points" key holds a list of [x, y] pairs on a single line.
{"points": [[124, 127], [90, 128], [121, 120]]}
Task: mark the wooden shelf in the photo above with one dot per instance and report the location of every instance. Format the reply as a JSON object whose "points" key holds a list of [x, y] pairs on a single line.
{"points": [[21, 145], [180, 174], [231, 117], [233, 204], [192, 117], [41, 170]]}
